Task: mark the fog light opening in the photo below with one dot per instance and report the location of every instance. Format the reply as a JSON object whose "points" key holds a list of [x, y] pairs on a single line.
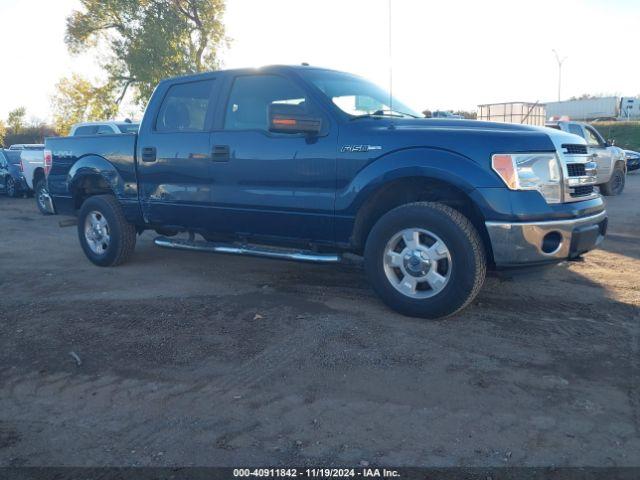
{"points": [[551, 242]]}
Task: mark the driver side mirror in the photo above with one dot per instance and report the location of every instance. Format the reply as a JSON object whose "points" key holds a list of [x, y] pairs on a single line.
{"points": [[287, 118], [610, 142]]}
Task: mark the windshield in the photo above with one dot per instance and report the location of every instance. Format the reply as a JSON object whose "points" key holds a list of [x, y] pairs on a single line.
{"points": [[355, 95]]}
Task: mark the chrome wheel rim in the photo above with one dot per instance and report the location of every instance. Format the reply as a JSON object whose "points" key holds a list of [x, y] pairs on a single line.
{"points": [[97, 232], [417, 263], [11, 187], [41, 198]]}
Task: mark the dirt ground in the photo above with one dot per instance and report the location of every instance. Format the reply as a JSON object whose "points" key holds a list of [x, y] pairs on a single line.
{"points": [[196, 359]]}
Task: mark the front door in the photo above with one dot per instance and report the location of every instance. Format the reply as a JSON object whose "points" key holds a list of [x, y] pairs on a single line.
{"points": [[268, 184], [603, 156], [174, 157]]}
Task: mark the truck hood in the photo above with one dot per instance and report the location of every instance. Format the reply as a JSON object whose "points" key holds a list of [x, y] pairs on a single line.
{"points": [[472, 139]]}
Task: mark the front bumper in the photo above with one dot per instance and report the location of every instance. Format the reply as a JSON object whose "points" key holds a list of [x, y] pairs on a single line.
{"points": [[526, 243]]}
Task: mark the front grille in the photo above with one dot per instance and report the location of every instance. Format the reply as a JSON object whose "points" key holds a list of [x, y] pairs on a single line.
{"points": [[582, 191], [576, 169], [575, 149]]}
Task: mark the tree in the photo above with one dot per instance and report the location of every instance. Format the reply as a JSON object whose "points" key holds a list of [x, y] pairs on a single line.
{"points": [[15, 119], [148, 40], [3, 133], [78, 100]]}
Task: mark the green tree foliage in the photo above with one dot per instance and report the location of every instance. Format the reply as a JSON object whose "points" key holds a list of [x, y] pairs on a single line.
{"points": [[18, 130], [15, 119], [148, 40], [3, 133], [78, 100]]}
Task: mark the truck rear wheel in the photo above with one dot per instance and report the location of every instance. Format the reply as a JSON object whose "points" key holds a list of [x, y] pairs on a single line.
{"points": [[425, 260], [105, 235], [10, 187], [615, 185], [40, 193]]}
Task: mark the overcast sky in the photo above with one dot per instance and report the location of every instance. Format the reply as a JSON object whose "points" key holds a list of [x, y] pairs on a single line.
{"points": [[452, 54]]}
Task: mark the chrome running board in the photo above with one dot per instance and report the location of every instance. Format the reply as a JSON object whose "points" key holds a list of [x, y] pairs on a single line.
{"points": [[252, 250]]}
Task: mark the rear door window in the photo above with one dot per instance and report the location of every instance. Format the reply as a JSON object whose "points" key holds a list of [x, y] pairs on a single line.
{"points": [[185, 107]]}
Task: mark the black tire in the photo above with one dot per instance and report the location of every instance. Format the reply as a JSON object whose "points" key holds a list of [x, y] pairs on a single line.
{"points": [[122, 241], [40, 189], [615, 185], [468, 260], [10, 187]]}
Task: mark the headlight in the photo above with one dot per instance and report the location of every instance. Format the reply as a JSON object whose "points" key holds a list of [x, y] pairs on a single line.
{"points": [[530, 171]]}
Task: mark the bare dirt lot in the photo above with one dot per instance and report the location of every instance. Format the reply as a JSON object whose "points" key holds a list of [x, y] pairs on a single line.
{"points": [[195, 359]]}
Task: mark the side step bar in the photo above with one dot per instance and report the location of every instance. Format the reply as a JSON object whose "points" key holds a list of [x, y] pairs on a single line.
{"points": [[252, 250]]}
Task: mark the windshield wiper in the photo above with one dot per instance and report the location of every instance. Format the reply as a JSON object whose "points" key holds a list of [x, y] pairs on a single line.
{"points": [[384, 113]]}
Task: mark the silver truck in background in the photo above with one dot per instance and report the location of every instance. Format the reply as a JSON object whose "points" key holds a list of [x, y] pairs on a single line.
{"points": [[611, 160]]}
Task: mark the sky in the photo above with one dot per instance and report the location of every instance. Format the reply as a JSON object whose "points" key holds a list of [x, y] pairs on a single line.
{"points": [[452, 54]]}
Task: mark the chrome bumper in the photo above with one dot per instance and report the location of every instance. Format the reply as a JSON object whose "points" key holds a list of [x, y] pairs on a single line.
{"points": [[515, 244]]}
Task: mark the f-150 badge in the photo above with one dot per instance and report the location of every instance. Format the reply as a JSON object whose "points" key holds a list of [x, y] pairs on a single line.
{"points": [[360, 148]]}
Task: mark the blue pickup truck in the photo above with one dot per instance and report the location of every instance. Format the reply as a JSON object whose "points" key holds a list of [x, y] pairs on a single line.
{"points": [[303, 163]]}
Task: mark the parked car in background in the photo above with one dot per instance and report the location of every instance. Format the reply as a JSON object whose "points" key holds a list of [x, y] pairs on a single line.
{"points": [[610, 159], [633, 160], [282, 162], [444, 114], [12, 181], [103, 128], [26, 146]]}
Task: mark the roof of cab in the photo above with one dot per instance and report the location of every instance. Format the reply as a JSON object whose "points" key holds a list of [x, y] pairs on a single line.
{"points": [[244, 71]]}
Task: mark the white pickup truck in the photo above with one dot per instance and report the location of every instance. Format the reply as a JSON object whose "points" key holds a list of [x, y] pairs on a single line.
{"points": [[32, 161], [611, 160]]}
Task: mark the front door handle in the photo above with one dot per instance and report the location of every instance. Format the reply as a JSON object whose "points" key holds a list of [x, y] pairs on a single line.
{"points": [[149, 154], [221, 153]]}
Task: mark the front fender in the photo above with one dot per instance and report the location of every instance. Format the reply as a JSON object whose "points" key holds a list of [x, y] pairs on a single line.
{"points": [[443, 165]]}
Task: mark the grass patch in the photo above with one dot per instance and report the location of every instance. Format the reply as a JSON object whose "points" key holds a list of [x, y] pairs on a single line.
{"points": [[626, 134]]}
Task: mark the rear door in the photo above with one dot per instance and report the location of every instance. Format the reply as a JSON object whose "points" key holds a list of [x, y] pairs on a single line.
{"points": [[174, 156]]}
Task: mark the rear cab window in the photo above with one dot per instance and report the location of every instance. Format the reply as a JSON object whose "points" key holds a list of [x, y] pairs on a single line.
{"points": [[86, 130]]}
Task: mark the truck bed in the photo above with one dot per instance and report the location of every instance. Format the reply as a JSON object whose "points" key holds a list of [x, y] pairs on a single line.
{"points": [[111, 155]]}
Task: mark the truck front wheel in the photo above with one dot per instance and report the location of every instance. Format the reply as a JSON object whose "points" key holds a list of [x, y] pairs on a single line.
{"points": [[105, 235], [425, 260], [615, 185]]}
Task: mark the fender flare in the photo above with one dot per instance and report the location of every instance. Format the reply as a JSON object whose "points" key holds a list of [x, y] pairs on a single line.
{"points": [[94, 167], [425, 162]]}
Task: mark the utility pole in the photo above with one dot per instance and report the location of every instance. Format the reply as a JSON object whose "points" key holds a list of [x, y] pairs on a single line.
{"points": [[560, 62], [390, 61]]}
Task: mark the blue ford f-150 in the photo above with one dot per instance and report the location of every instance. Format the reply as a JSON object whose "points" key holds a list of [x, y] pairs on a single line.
{"points": [[306, 164]]}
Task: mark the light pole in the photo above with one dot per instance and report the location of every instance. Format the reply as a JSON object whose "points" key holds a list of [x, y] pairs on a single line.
{"points": [[560, 62]]}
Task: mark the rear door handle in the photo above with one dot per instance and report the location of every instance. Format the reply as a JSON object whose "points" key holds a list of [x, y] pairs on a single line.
{"points": [[149, 154], [221, 153]]}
